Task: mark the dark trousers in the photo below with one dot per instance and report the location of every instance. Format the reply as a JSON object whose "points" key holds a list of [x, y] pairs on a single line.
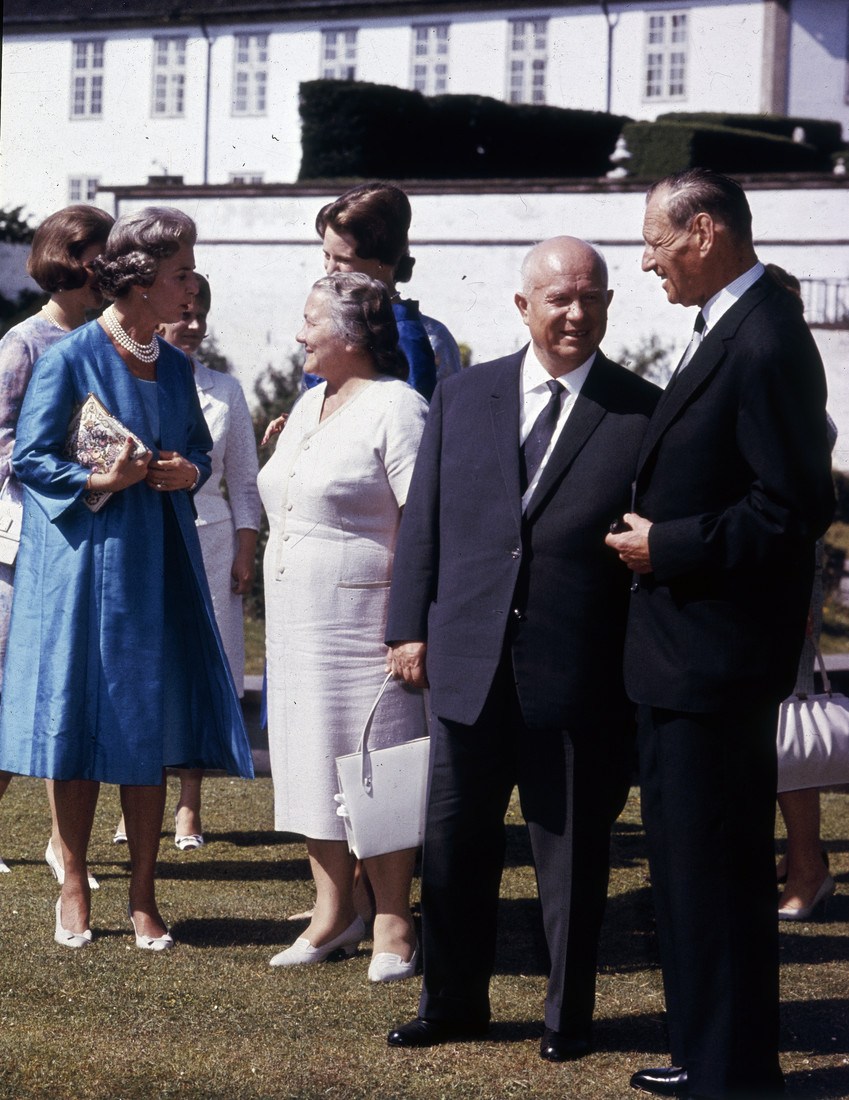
{"points": [[708, 801], [569, 808]]}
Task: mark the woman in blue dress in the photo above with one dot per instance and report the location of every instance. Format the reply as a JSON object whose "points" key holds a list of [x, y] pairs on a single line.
{"points": [[114, 667], [366, 230]]}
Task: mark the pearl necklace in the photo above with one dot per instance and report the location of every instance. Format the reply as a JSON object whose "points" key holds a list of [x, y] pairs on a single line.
{"points": [[52, 319], [145, 353]]}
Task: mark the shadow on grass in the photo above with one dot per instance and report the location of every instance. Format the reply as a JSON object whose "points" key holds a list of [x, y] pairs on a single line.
{"points": [[824, 1084], [816, 1027], [225, 870], [233, 932]]}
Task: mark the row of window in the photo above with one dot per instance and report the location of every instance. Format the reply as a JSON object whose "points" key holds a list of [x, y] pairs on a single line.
{"points": [[85, 188], [527, 65]]}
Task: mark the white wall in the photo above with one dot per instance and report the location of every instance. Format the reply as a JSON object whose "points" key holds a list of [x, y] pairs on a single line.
{"points": [[42, 146], [261, 256], [818, 46]]}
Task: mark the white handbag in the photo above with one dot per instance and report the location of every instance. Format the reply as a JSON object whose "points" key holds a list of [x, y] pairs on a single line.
{"points": [[11, 514], [383, 792], [813, 738]]}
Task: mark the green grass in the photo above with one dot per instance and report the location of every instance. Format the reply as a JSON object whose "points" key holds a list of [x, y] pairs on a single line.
{"points": [[211, 1019]]}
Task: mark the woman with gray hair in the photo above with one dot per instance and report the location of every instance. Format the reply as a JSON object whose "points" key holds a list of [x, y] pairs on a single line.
{"points": [[333, 491], [114, 667]]}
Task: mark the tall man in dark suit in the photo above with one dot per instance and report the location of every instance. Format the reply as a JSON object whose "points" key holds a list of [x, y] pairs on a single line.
{"points": [[505, 597], [733, 487]]}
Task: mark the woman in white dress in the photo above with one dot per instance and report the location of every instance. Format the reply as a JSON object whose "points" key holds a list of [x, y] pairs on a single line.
{"points": [[227, 525], [334, 491]]}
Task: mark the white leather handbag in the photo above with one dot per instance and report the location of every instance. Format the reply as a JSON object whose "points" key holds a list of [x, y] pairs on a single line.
{"points": [[383, 792], [813, 738]]}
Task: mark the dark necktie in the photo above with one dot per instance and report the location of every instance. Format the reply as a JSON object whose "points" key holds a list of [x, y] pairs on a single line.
{"points": [[691, 348], [536, 444]]}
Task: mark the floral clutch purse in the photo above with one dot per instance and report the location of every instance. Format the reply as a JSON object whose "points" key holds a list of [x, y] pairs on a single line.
{"points": [[95, 439]]}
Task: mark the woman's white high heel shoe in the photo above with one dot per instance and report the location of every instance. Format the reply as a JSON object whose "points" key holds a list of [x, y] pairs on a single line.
{"points": [[59, 871], [302, 952], [150, 943], [64, 937], [4, 870], [386, 967]]}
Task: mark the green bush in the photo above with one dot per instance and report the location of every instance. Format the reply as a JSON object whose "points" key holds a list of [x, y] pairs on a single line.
{"points": [[658, 148], [361, 130], [374, 130], [825, 135]]}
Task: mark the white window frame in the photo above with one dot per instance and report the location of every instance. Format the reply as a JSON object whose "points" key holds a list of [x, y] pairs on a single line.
{"points": [[87, 59], [339, 53], [250, 74], [527, 60], [429, 58], [83, 188], [666, 57], [168, 91], [246, 179]]}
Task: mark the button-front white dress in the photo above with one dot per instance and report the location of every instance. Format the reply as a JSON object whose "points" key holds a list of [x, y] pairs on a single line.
{"points": [[333, 492]]}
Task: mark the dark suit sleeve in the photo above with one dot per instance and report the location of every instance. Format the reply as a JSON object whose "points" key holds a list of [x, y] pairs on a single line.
{"points": [[416, 563], [781, 437]]}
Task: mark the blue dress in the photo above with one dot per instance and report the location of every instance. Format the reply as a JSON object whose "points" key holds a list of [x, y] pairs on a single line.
{"points": [[114, 666]]}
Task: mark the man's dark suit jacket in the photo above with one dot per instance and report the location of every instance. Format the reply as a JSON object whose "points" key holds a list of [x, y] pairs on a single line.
{"points": [[735, 473], [469, 567]]}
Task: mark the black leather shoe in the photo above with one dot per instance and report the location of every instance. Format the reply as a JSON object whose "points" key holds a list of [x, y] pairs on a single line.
{"points": [[557, 1047], [666, 1081], [427, 1033]]}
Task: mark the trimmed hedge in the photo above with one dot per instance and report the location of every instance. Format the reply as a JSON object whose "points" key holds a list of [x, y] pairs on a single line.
{"points": [[359, 129], [658, 148], [825, 135], [377, 130]]}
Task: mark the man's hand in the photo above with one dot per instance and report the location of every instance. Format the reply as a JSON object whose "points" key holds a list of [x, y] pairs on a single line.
{"points": [[406, 661], [633, 546]]}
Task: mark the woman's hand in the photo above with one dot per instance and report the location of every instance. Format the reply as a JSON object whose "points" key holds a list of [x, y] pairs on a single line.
{"points": [[171, 472], [124, 472], [244, 563], [407, 661], [274, 428]]}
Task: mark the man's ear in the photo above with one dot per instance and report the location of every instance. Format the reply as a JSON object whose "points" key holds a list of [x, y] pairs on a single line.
{"points": [[609, 298], [522, 305], [704, 231]]}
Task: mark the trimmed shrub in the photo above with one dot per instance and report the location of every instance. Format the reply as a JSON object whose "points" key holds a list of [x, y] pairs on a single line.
{"points": [[825, 135], [361, 130], [375, 130], [658, 148]]}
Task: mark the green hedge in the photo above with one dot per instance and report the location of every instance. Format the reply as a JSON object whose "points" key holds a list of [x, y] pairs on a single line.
{"points": [[825, 135], [658, 148], [361, 130]]}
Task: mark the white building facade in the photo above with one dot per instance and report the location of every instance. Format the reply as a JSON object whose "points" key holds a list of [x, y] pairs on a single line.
{"points": [[94, 96]]}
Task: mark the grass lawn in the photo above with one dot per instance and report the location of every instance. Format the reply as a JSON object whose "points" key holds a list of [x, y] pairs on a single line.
{"points": [[211, 1019]]}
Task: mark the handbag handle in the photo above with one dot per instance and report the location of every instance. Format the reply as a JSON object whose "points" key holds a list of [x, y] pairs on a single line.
{"points": [[362, 747], [826, 683]]}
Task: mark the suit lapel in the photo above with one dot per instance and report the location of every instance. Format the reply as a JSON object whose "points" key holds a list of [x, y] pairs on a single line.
{"points": [[504, 416], [583, 421], [698, 371]]}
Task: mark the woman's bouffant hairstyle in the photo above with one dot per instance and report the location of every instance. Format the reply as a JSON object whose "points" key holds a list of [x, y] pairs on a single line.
{"points": [[60, 241], [377, 216], [361, 312], [135, 246], [203, 298]]}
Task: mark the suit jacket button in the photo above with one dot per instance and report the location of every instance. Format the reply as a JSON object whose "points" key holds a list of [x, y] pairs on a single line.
{"points": [[515, 552], [517, 614]]}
